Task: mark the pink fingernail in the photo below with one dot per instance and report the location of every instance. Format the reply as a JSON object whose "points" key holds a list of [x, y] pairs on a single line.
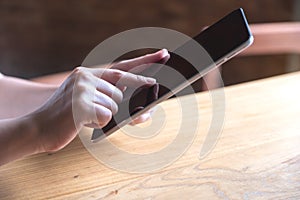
{"points": [[151, 80], [165, 53]]}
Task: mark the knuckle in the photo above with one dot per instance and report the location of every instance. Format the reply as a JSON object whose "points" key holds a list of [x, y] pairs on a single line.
{"points": [[140, 79], [81, 73], [117, 74], [105, 117], [117, 95], [78, 70], [114, 107]]}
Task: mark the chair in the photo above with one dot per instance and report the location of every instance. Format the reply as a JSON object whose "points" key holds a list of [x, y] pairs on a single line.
{"points": [[269, 39], [275, 38]]}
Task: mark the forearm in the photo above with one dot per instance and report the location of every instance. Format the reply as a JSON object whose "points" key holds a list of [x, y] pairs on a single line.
{"points": [[18, 138], [20, 97], [53, 79]]}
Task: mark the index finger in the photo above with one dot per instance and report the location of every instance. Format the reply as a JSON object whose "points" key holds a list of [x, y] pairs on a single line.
{"points": [[129, 65], [121, 78]]}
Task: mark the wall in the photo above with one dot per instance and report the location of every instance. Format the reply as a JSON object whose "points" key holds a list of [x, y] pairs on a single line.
{"points": [[44, 36]]}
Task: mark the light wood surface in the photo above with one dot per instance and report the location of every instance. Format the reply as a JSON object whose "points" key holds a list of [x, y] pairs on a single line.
{"points": [[257, 155]]}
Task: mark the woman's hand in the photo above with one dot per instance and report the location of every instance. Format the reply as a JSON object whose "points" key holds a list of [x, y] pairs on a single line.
{"points": [[92, 95], [138, 65]]}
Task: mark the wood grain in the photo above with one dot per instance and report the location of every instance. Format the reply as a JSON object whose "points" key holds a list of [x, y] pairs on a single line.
{"points": [[257, 155]]}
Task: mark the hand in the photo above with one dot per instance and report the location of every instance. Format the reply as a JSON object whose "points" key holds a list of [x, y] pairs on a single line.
{"points": [[138, 65], [94, 93]]}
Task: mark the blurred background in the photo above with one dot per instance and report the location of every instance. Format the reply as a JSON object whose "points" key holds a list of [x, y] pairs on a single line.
{"points": [[40, 37]]}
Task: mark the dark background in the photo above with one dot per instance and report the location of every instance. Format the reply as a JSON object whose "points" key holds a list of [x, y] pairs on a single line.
{"points": [[39, 37]]}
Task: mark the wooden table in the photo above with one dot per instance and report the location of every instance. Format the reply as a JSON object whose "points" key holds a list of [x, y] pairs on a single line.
{"points": [[256, 157]]}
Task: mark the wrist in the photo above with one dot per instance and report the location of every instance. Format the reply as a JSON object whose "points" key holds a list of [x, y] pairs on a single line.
{"points": [[29, 132], [39, 127], [18, 138]]}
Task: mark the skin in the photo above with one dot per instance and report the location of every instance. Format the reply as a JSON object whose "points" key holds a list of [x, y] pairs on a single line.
{"points": [[31, 110]]}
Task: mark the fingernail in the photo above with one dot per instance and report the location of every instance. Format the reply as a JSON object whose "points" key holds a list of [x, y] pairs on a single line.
{"points": [[150, 80], [164, 53]]}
